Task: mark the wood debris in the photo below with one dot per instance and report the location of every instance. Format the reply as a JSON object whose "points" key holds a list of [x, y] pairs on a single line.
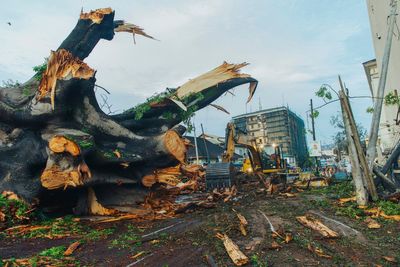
{"points": [[378, 212], [372, 224], [311, 222], [345, 200], [61, 65], [389, 259], [54, 178], [275, 245], [9, 195], [96, 15], [137, 255], [287, 194], [95, 207], [72, 248], [220, 74], [220, 108], [318, 251], [132, 28], [117, 153], [242, 223], [233, 250]]}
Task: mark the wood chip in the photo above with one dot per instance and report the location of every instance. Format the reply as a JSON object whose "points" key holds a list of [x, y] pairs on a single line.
{"points": [[389, 259], [72, 248], [319, 252], [233, 250], [137, 255], [317, 225], [275, 245], [372, 224], [288, 237], [117, 153], [243, 223], [348, 199]]}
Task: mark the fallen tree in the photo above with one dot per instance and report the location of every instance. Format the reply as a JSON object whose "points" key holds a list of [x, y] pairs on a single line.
{"points": [[57, 144]]}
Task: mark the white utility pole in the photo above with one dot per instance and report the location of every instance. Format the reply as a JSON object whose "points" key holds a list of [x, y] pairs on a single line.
{"points": [[376, 117]]}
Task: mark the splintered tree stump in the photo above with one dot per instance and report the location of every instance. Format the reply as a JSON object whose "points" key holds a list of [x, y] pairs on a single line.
{"points": [[56, 141]]}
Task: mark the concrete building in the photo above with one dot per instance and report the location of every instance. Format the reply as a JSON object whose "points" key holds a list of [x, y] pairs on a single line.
{"points": [[276, 126], [389, 129]]}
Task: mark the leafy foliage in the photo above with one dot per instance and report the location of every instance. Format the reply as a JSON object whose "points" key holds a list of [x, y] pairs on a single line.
{"points": [[141, 109], [39, 70], [340, 139], [15, 211], [11, 84], [370, 110], [314, 114], [389, 207], [324, 93], [392, 99]]}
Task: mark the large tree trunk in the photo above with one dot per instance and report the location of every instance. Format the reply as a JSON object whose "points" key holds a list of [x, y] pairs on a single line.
{"points": [[54, 135]]}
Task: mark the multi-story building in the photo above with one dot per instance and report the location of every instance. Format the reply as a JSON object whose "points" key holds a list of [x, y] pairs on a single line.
{"points": [[389, 128], [277, 126]]}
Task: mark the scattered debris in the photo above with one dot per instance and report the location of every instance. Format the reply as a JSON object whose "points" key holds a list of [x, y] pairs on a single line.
{"points": [[318, 251], [243, 223], [233, 250], [389, 259], [137, 255], [72, 248], [377, 212], [310, 222], [372, 224], [275, 245], [345, 200]]}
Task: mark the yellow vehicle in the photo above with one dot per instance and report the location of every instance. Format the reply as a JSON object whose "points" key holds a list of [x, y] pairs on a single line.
{"points": [[258, 159], [270, 158]]}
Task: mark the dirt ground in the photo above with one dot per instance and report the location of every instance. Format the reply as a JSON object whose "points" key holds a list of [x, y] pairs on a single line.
{"points": [[189, 239]]}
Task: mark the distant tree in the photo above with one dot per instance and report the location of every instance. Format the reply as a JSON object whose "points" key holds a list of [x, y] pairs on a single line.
{"points": [[340, 139]]}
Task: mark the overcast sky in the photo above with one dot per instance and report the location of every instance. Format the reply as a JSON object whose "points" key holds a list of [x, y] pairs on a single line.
{"points": [[293, 46]]}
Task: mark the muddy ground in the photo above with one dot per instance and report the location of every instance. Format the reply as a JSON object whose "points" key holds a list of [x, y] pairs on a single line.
{"points": [[189, 239]]}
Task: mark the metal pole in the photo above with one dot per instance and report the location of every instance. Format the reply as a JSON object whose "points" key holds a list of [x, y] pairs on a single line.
{"points": [[195, 142], [313, 133], [312, 120], [373, 135], [205, 145]]}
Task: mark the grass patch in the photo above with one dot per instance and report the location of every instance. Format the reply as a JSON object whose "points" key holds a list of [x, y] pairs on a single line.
{"points": [[58, 227], [54, 252], [389, 208], [95, 235], [337, 190], [129, 239], [15, 211]]}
